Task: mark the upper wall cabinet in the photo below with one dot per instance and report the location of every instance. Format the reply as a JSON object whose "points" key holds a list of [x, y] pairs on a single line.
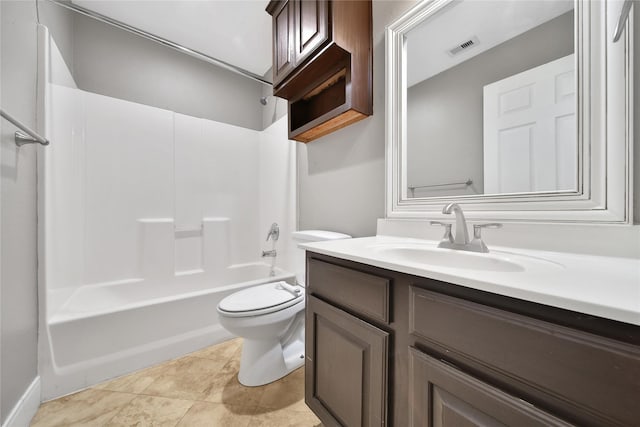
{"points": [[299, 29], [322, 63]]}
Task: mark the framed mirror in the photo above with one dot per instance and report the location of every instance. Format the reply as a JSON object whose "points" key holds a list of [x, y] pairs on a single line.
{"points": [[516, 109]]}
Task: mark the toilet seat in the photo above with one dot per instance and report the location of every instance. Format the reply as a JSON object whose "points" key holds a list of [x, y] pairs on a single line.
{"points": [[259, 300]]}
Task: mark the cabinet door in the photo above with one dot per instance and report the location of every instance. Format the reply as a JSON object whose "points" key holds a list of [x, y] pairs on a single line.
{"points": [[346, 367], [442, 396], [283, 41], [311, 26]]}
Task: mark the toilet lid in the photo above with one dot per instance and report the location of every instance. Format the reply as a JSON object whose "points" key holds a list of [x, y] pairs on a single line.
{"points": [[271, 295]]}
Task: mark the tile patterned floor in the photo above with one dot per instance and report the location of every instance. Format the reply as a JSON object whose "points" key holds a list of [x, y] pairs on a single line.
{"points": [[200, 389]]}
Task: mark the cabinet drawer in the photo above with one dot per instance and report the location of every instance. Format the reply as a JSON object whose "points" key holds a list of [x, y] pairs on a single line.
{"points": [[598, 375], [441, 395], [363, 293]]}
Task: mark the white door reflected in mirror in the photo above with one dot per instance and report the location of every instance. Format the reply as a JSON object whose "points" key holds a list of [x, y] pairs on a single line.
{"points": [[530, 142]]}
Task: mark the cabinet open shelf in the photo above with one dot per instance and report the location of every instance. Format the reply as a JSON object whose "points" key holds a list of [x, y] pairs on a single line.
{"points": [[324, 109]]}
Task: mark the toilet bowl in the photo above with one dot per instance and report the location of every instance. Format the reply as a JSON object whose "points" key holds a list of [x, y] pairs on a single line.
{"points": [[270, 318]]}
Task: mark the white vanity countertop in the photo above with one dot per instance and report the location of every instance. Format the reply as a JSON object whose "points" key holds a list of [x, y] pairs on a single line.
{"points": [[607, 287]]}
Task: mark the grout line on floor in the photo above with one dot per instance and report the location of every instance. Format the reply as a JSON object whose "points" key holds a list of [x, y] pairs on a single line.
{"points": [[119, 410], [184, 415]]}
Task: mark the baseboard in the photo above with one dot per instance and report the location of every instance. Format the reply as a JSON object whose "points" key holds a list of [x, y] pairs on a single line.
{"points": [[26, 408]]}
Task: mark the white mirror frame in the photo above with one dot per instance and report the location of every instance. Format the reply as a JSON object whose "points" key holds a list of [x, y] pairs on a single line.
{"points": [[604, 81]]}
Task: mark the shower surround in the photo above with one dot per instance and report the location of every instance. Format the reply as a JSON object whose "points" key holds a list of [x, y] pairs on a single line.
{"points": [[147, 219]]}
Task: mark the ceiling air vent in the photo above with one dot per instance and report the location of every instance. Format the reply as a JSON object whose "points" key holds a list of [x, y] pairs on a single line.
{"points": [[467, 44]]}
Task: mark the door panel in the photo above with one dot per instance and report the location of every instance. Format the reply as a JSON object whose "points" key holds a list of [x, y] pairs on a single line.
{"points": [[311, 27], [343, 394], [283, 42], [442, 396], [530, 141], [346, 369]]}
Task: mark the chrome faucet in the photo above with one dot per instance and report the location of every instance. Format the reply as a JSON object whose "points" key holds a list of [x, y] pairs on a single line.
{"points": [[274, 232], [462, 235], [271, 254], [461, 239]]}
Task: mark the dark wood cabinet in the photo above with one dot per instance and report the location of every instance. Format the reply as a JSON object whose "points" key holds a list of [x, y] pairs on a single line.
{"points": [[346, 365], [461, 357], [311, 26], [299, 29], [442, 395], [322, 63], [283, 38]]}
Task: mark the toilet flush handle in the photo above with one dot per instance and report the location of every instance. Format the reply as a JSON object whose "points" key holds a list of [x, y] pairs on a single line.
{"points": [[295, 290]]}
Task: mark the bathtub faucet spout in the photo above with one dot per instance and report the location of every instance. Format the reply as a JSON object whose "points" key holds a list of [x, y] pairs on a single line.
{"points": [[271, 253]]}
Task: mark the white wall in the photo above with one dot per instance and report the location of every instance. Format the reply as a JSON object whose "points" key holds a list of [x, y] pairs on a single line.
{"points": [[277, 191], [66, 188], [128, 175], [116, 163], [216, 177]]}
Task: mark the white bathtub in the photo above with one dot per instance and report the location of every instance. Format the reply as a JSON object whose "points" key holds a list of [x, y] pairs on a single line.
{"points": [[106, 330], [169, 224]]}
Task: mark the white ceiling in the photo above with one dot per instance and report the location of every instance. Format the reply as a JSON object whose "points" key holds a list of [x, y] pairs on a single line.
{"points": [[492, 21], [237, 32]]}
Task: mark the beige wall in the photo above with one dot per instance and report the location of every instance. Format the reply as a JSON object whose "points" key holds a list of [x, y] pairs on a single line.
{"points": [[341, 176]]}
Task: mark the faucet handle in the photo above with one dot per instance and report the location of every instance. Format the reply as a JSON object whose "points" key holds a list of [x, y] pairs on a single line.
{"points": [[477, 228], [448, 237], [477, 245], [444, 224], [274, 232]]}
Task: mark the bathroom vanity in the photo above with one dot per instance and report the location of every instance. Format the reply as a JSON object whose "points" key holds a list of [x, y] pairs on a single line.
{"points": [[387, 347], [405, 332]]}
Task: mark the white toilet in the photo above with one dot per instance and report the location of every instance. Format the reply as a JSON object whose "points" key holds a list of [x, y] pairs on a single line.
{"points": [[270, 318]]}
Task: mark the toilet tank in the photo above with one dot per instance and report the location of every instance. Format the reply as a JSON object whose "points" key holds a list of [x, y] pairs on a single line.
{"points": [[307, 236]]}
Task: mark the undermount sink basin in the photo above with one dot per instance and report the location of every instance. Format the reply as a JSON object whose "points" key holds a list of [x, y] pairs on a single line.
{"points": [[449, 258]]}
